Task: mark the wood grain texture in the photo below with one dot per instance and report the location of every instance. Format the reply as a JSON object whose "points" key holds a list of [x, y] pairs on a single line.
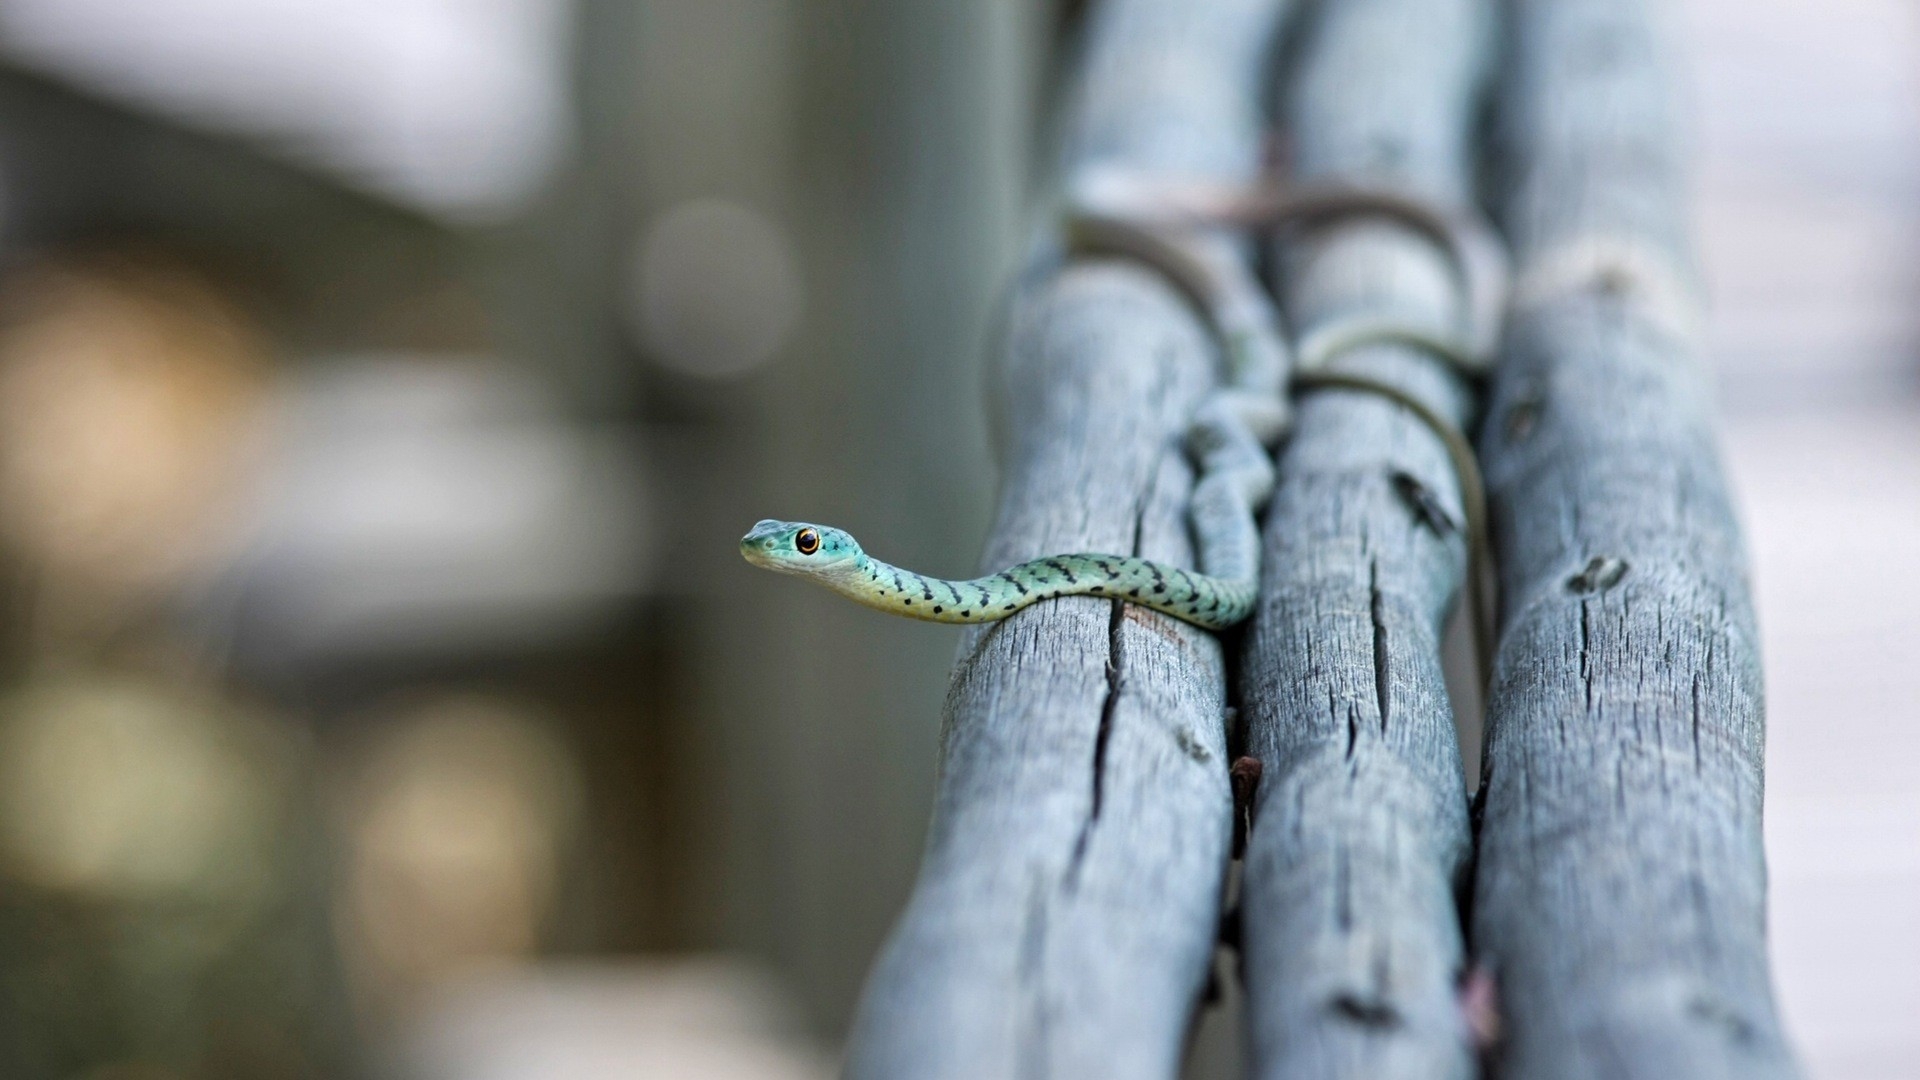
{"points": [[1620, 891], [1360, 838], [1066, 912]]}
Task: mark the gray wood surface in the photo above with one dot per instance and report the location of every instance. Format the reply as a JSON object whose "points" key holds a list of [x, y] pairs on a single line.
{"points": [[1360, 838], [1620, 890], [1066, 912]]}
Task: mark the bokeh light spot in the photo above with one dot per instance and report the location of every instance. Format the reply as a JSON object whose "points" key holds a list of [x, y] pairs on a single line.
{"points": [[716, 289]]}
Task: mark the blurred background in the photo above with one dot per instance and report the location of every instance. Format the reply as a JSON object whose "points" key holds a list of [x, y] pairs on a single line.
{"points": [[384, 384]]}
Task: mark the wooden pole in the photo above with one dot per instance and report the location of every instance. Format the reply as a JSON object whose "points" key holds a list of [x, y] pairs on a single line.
{"points": [[1360, 836], [1066, 912], [1620, 893]]}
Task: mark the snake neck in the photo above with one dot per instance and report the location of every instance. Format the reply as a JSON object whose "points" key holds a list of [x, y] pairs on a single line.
{"points": [[898, 591]]}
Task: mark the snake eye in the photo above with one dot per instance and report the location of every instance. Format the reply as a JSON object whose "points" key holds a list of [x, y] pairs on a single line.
{"points": [[806, 541]]}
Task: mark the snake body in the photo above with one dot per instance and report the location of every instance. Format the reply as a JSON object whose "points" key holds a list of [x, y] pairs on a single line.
{"points": [[838, 562], [1232, 430]]}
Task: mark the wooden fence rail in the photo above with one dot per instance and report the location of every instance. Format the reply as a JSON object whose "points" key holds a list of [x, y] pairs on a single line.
{"points": [[1360, 839], [1620, 894], [1068, 903]]}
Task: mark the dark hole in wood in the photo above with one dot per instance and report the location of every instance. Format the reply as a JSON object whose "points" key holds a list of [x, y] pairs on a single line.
{"points": [[1424, 503], [1603, 572], [1522, 418], [1709, 1011], [1371, 1014]]}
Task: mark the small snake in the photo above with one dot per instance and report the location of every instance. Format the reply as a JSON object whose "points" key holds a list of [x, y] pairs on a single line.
{"points": [[1232, 428], [834, 559]]}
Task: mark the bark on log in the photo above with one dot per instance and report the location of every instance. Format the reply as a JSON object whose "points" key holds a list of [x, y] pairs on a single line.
{"points": [[1066, 912], [1360, 837], [1620, 892]]}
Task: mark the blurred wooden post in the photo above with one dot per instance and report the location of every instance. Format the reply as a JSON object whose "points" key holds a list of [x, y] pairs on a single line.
{"points": [[1620, 895], [1360, 836], [1066, 911]]}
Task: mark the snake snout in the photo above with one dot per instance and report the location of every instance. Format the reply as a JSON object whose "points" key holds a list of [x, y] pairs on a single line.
{"points": [[759, 544]]}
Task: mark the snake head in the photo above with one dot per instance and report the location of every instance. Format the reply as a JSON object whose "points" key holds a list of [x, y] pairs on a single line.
{"points": [[796, 547]]}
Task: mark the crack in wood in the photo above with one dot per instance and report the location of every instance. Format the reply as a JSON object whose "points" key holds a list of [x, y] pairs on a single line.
{"points": [[1109, 705], [1382, 661]]}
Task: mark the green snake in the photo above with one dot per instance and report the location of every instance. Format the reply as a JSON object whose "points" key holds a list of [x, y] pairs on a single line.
{"points": [[1229, 437]]}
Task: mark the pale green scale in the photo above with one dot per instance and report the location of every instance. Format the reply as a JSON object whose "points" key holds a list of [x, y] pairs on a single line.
{"points": [[833, 558]]}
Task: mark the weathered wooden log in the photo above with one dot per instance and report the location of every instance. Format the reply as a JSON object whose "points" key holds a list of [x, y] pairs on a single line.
{"points": [[1066, 912], [1620, 891], [1360, 836]]}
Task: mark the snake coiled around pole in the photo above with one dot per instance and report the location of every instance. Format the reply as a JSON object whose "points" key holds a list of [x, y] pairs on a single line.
{"points": [[1179, 231]]}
